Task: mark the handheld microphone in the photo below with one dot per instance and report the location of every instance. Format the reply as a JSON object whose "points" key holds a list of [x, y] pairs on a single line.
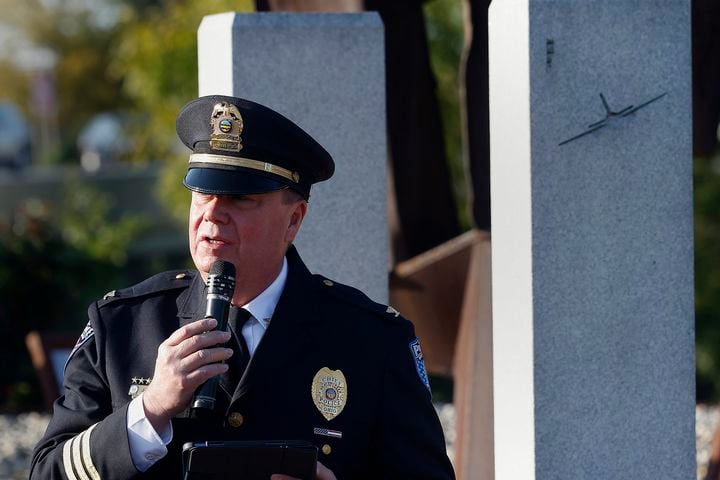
{"points": [[221, 286]]}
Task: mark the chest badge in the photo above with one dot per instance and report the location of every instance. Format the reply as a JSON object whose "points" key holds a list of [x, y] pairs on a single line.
{"points": [[329, 392]]}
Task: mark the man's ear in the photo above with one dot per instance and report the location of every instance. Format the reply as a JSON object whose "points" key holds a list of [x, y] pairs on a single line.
{"points": [[296, 217]]}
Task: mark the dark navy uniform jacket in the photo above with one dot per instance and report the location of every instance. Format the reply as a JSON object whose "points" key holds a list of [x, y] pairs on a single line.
{"points": [[389, 426]]}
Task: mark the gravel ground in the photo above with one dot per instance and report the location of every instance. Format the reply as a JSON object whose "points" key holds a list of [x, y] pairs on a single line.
{"points": [[18, 436], [19, 433], [706, 420]]}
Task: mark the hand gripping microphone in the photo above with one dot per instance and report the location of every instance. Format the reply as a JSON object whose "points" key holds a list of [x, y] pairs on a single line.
{"points": [[221, 286]]}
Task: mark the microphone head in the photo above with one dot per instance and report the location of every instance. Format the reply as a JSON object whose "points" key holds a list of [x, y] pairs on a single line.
{"points": [[222, 268], [221, 279]]}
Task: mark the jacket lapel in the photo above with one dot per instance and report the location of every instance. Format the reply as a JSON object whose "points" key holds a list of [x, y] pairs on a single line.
{"points": [[191, 303]]}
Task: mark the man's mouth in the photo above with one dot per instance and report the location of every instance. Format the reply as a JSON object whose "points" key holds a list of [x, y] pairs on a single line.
{"points": [[214, 241]]}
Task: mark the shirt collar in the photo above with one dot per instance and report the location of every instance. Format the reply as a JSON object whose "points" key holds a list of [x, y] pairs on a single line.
{"points": [[263, 306]]}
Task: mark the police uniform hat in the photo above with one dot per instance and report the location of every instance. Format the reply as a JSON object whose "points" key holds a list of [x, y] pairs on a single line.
{"points": [[241, 147]]}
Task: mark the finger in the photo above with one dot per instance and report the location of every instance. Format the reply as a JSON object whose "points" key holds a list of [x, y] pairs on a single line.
{"points": [[201, 341], [190, 330], [204, 373], [324, 473], [205, 357]]}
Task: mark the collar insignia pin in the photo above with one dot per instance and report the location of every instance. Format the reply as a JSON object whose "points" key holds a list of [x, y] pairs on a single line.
{"points": [[138, 386]]}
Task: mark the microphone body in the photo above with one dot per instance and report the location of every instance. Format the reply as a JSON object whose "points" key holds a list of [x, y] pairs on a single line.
{"points": [[221, 286]]}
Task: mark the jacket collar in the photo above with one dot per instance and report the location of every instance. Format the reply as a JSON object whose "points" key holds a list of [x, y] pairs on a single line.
{"points": [[192, 302]]}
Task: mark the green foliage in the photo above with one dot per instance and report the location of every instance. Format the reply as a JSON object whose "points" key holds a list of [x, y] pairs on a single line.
{"points": [[707, 279], [14, 83], [444, 24], [175, 197], [84, 225], [54, 260], [156, 54]]}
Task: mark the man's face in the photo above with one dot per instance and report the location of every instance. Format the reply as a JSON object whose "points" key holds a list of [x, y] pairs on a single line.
{"points": [[251, 231]]}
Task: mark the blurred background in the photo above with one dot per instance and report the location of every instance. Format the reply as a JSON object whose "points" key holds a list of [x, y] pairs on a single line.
{"points": [[90, 166]]}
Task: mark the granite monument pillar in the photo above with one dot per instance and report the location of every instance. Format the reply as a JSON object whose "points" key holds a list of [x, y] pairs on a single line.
{"points": [[592, 262], [326, 72]]}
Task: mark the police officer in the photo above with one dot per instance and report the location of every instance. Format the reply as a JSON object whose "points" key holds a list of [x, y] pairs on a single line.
{"points": [[305, 357]]}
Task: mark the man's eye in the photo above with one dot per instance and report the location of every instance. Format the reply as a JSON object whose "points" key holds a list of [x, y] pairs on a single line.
{"points": [[243, 199]]}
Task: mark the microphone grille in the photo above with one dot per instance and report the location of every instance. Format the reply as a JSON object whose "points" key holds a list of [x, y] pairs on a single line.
{"points": [[222, 268]]}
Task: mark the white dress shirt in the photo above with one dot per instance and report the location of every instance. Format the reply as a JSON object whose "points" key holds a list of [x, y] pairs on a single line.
{"points": [[147, 446]]}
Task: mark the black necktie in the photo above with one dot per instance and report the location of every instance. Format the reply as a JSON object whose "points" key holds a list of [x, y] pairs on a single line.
{"points": [[241, 354]]}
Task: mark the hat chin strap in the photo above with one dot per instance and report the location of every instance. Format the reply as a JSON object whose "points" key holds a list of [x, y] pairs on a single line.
{"points": [[246, 163]]}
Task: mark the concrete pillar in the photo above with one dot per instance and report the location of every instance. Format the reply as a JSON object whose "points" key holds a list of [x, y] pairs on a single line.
{"points": [[325, 72], [592, 263]]}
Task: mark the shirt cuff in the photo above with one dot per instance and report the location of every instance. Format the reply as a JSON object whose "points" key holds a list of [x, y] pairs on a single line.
{"points": [[146, 445]]}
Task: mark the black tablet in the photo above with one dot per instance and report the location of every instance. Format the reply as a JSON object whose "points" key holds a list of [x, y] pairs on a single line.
{"points": [[249, 460]]}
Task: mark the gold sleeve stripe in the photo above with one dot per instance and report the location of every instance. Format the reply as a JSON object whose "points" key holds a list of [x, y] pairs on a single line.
{"points": [[87, 459], [67, 460], [76, 457], [246, 163], [77, 460]]}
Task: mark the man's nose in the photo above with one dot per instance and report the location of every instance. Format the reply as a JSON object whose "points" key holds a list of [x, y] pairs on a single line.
{"points": [[215, 211]]}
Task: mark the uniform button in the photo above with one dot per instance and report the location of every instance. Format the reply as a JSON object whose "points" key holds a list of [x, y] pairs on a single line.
{"points": [[326, 449], [329, 283], [180, 276], [151, 457], [235, 419]]}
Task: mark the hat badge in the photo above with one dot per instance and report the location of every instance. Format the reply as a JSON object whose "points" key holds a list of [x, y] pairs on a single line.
{"points": [[329, 392], [227, 125]]}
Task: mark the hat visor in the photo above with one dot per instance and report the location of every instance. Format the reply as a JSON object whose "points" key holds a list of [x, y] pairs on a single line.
{"points": [[229, 182]]}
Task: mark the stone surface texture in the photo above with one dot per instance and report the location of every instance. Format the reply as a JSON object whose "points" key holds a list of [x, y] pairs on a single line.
{"points": [[326, 73], [612, 247]]}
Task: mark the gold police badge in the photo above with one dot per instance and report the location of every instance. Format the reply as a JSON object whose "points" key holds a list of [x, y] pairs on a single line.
{"points": [[329, 392], [227, 125]]}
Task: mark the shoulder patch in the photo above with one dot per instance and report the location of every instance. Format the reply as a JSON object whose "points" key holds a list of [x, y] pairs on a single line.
{"points": [[86, 335], [420, 362]]}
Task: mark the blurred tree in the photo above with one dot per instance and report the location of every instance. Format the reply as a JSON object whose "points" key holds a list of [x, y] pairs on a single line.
{"points": [[72, 48], [14, 83], [53, 262], [707, 279], [156, 54], [444, 23], [85, 223]]}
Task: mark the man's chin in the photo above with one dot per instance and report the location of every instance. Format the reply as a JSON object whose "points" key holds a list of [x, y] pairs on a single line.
{"points": [[204, 264]]}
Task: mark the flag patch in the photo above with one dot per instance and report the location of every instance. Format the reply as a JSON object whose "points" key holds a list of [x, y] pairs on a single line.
{"points": [[327, 432], [419, 362], [86, 335]]}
